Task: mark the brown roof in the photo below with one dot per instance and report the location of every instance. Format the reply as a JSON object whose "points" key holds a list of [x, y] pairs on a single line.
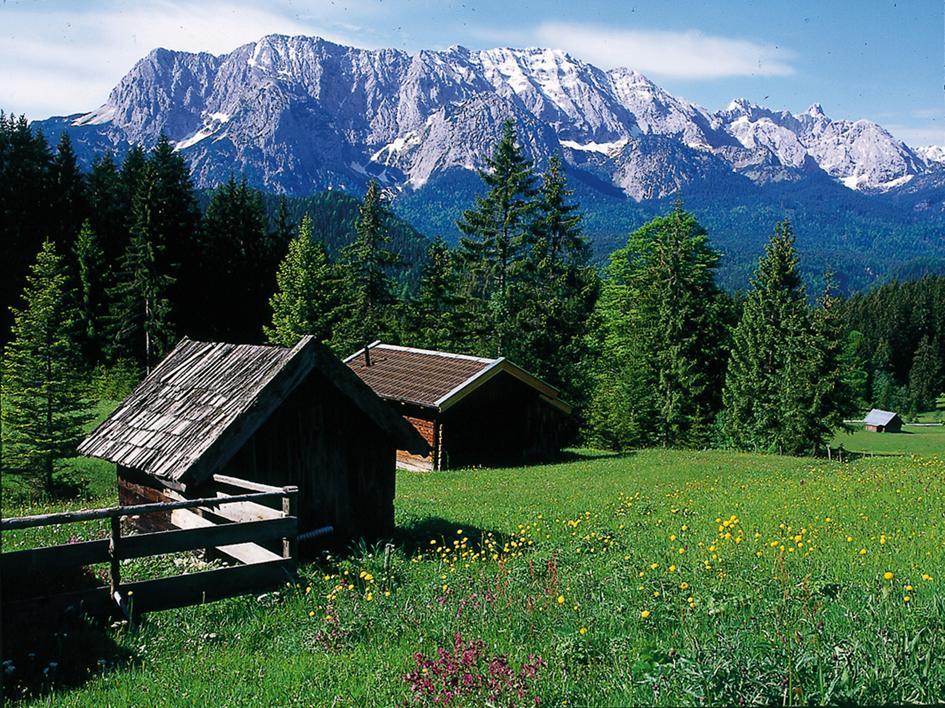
{"points": [[435, 379], [206, 399]]}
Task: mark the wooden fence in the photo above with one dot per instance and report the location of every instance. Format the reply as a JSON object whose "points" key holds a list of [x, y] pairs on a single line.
{"points": [[258, 568]]}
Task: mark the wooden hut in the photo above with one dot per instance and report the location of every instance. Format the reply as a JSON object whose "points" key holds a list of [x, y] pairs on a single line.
{"points": [[246, 416], [879, 421], [471, 410]]}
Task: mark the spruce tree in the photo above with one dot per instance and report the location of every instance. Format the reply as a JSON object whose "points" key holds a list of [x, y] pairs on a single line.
{"points": [[25, 164], [68, 196], [306, 300], [109, 207], [853, 360], [496, 237], [769, 394], [925, 376], [554, 299], [43, 411], [236, 275], [365, 264], [660, 327], [437, 313], [138, 323], [90, 271]]}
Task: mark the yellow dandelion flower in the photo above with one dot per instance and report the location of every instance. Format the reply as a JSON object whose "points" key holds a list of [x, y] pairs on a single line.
{"points": [[684, 586], [645, 614], [560, 599], [887, 575], [583, 630], [906, 599], [311, 613]]}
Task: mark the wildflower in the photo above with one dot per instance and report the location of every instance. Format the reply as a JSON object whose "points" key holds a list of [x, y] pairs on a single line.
{"points": [[645, 614], [862, 551], [583, 630], [672, 569], [308, 589], [887, 575], [311, 613], [683, 586], [906, 599], [560, 599]]}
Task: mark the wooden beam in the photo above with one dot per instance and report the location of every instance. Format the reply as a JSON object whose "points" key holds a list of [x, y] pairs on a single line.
{"points": [[54, 558], [197, 588], [245, 484], [153, 544], [25, 522], [247, 553]]}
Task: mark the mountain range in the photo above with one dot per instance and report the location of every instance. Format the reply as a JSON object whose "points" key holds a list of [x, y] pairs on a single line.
{"points": [[296, 115]]}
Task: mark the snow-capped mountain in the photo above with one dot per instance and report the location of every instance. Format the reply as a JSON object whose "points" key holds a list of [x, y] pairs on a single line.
{"points": [[297, 114]]}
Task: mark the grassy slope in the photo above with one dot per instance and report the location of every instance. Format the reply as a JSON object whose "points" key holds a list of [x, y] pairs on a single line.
{"points": [[913, 440], [816, 620]]}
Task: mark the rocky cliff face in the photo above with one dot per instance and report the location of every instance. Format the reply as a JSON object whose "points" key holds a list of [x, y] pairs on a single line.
{"points": [[298, 114]]}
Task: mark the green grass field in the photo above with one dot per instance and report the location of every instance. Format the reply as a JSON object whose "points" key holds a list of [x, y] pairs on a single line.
{"points": [[913, 440], [656, 577]]}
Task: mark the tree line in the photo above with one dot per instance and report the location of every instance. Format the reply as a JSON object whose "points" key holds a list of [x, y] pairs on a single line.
{"points": [[650, 350]]}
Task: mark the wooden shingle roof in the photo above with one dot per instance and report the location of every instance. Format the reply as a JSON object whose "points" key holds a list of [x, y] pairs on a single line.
{"points": [[206, 399], [435, 379]]}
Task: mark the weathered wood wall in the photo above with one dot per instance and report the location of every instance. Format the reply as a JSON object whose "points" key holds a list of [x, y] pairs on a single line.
{"points": [[504, 423], [341, 461]]}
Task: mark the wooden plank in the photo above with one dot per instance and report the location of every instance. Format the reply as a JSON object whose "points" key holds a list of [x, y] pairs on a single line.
{"points": [[54, 558], [152, 544], [25, 522], [92, 601], [197, 588], [248, 553], [244, 484]]}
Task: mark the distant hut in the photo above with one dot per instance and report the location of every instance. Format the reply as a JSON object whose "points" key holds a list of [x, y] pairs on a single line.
{"points": [[471, 410], [878, 421], [265, 415]]}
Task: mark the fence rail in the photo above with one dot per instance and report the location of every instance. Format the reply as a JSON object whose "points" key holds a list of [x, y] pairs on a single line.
{"points": [[264, 569]]}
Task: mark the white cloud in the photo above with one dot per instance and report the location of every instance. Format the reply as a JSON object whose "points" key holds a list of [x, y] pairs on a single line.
{"points": [[659, 53], [63, 61]]}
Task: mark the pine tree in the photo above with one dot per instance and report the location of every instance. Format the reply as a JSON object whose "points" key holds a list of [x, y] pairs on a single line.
{"points": [[138, 323], [68, 197], [25, 164], [436, 320], [236, 274], [306, 300], [109, 206], [556, 293], [497, 235], [856, 375], [786, 388], [365, 264], [43, 410], [90, 270], [659, 319], [925, 376]]}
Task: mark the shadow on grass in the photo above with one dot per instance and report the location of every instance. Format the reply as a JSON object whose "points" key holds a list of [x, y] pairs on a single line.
{"points": [[416, 536], [47, 652]]}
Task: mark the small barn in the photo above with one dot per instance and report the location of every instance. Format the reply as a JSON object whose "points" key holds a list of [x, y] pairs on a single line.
{"points": [[879, 421], [471, 411], [252, 416]]}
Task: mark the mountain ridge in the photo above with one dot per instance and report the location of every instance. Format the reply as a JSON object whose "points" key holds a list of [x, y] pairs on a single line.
{"points": [[298, 114]]}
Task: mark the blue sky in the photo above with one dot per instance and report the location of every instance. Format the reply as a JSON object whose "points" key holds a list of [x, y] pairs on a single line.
{"points": [[873, 59]]}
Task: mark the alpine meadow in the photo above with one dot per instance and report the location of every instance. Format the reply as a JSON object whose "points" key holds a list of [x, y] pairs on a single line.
{"points": [[470, 376]]}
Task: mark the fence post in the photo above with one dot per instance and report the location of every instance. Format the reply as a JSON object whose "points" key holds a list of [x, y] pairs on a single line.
{"points": [[114, 575], [290, 509]]}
